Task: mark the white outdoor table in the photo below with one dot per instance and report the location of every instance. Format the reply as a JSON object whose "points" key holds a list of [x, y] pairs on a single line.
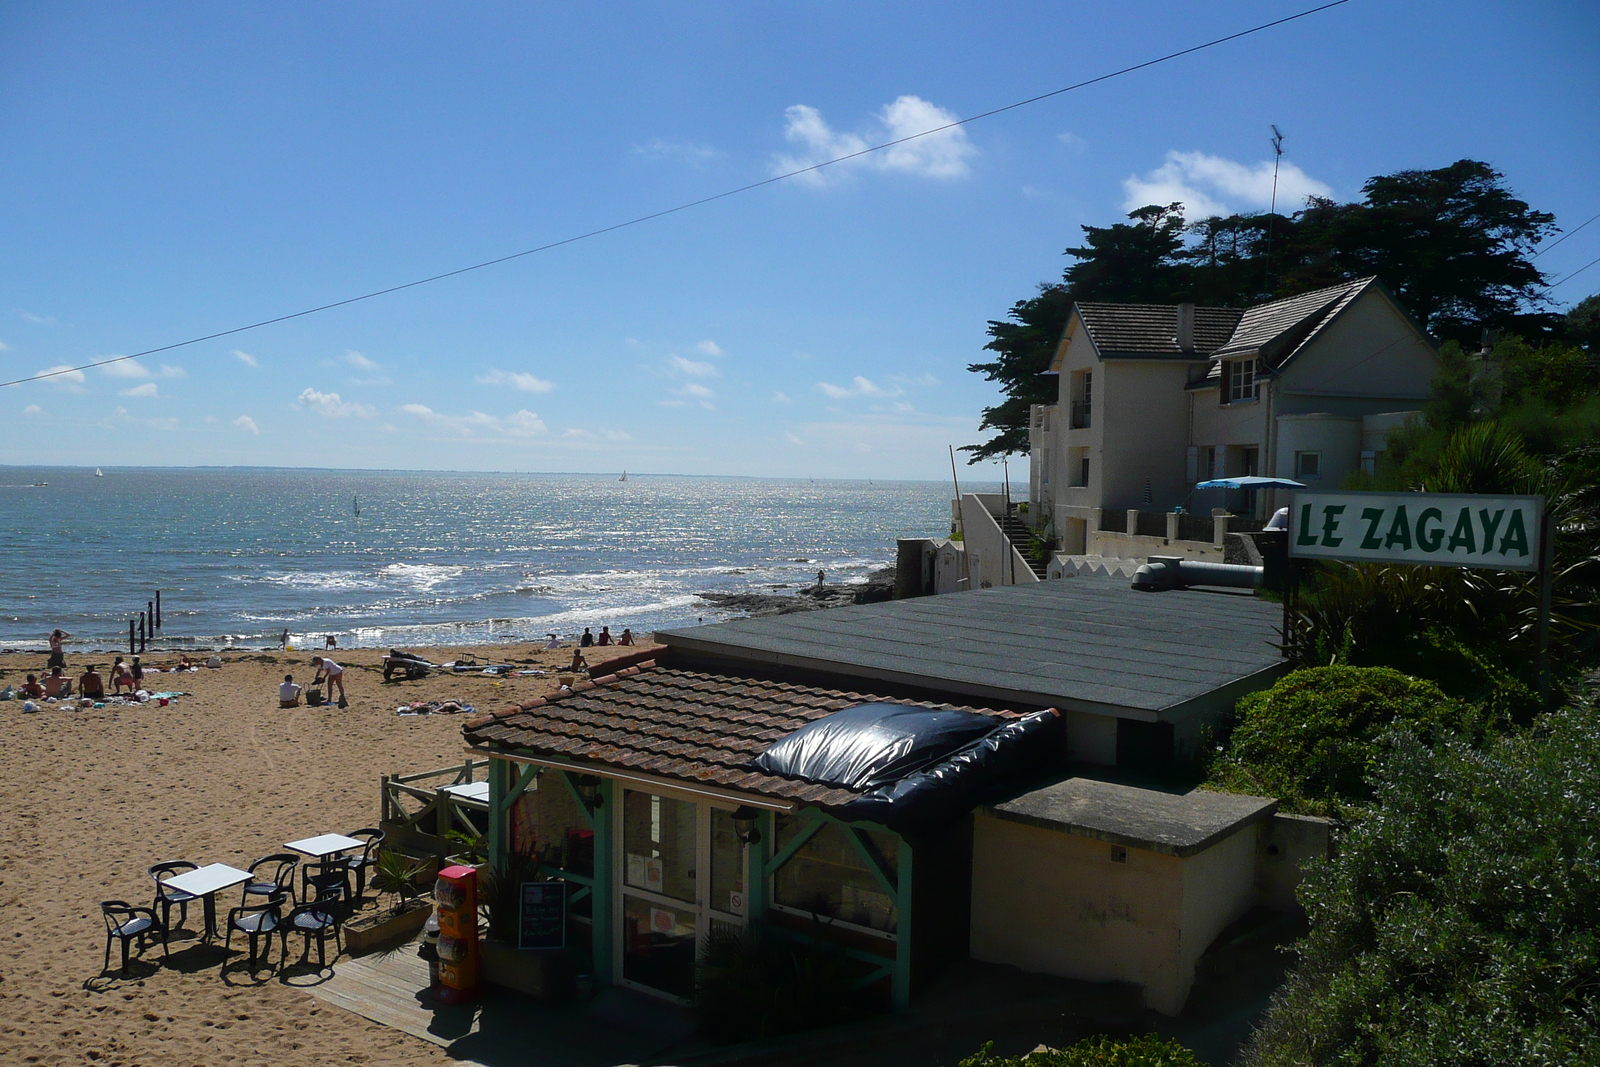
{"points": [[324, 845], [469, 791], [205, 883]]}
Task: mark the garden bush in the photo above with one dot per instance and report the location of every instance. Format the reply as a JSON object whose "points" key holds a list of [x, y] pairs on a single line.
{"points": [[1100, 1051], [1311, 739], [1460, 921]]}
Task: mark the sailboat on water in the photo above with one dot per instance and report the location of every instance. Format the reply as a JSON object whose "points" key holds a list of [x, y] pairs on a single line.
{"points": [[98, 473], [355, 506], [624, 477]]}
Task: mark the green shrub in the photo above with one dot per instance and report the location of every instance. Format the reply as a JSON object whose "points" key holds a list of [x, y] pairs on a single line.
{"points": [[1100, 1051], [1459, 923], [1311, 739]]}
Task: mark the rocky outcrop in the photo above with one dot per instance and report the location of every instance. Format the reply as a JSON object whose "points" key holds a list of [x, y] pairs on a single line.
{"points": [[878, 586]]}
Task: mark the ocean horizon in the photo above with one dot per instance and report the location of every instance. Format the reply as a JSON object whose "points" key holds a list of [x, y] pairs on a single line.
{"points": [[382, 558]]}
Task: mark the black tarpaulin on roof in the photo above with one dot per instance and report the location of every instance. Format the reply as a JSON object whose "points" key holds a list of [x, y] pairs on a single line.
{"points": [[916, 765]]}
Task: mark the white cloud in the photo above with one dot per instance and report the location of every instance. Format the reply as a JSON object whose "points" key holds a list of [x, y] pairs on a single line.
{"points": [[246, 358], [691, 367], [519, 424], [923, 380], [1210, 185], [697, 155], [858, 386], [4, 347], [936, 155], [1072, 141], [37, 320], [148, 389], [360, 362], [781, 398], [379, 382], [793, 440], [710, 348], [576, 434], [64, 377], [331, 405], [247, 424], [517, 380], [699, 392], [132, 368], [32, 410]]}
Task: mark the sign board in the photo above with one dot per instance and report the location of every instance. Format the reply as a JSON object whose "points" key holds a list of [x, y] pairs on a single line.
{"points": [[1433, 529], [543, 919]]}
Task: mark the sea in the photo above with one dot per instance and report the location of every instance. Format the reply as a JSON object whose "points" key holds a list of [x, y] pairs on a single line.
{"points": [[412, 559]]}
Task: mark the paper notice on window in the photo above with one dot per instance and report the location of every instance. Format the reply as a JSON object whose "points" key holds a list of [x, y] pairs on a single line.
{"points": [[654, 874], [661, 921], [736, 902], [636, 869]]}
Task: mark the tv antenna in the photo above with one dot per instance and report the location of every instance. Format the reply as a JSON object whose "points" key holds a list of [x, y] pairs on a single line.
{"points": [[1272, 212]]}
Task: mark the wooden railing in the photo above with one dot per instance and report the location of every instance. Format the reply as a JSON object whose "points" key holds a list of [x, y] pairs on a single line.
{"points": [[416, 812]]}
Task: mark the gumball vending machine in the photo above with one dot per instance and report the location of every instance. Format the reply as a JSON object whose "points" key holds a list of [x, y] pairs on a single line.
{"points": [[455, 897]]}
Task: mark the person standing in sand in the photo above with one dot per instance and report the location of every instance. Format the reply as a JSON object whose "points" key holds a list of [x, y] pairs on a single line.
{"points": [[283, 642], [333, 674], [58, 655]]}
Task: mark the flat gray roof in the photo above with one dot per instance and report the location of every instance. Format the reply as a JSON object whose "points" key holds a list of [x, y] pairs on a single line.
{"points": [[1088, 643], [1173, 823]]}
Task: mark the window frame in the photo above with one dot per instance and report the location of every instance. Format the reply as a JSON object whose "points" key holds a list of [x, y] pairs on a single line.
{"points": [[1240, 387], [1301, 455]]}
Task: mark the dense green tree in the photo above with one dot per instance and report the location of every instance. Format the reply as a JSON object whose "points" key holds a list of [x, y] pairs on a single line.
{"points": [[1146, 1050], [1457, 923], [1583, 328]]}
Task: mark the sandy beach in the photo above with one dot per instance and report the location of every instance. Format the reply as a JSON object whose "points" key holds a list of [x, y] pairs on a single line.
{"points": [[94, 797]]}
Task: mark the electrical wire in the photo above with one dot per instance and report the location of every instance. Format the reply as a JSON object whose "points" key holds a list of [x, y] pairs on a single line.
{"points": [[692, 203]]}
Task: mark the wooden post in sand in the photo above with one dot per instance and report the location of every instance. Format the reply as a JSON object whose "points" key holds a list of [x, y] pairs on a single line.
{"points": [[131, 649], [158, 609], [141, 631], [150, 613]]}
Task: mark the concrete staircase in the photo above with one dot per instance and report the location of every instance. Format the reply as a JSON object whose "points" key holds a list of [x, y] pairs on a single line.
{"points": [[1022, 539]]}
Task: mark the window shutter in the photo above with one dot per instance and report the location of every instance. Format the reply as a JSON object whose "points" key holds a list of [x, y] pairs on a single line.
{"points": [[1227, 381]]}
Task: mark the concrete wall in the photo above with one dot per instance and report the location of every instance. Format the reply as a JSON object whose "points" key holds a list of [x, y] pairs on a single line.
{"points": [[1369, 351], [1056, 903], [1135, 546], [993, 559], [1337, 437], [1142, 415], [1286, 844]]}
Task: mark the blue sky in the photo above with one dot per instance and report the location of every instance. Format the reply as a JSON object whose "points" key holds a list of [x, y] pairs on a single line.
{"points": [[168, 170]]}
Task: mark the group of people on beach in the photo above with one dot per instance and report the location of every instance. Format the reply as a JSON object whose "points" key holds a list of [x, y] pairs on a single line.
{"points": [[327, 673], [589, 640], [127, 675]]}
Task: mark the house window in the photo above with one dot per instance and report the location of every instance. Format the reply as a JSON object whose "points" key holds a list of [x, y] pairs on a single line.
{"points": [[829, 876], [1078, 468], [1239, 383], [1369, 463], [1082, 398], [1308, 464]]}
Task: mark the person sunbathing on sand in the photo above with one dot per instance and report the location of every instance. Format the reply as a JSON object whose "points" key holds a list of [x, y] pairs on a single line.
{"points": [[91, 685], [626, 638], [578, 662], [57, 684], [32, 688]]}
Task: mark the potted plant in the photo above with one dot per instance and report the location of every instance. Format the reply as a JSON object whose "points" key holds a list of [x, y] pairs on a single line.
{"points": [[402, 911], [540, 973], [469, 849]]}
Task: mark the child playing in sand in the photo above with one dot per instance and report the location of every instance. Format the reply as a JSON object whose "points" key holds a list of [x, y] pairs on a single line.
{"points": [[288, 693]]}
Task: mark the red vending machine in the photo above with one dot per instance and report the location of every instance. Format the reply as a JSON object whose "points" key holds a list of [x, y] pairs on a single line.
{"points": [[455, 896]]}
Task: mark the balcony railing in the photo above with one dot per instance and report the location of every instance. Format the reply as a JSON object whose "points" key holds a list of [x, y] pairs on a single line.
{"points": [[1080, 414]]}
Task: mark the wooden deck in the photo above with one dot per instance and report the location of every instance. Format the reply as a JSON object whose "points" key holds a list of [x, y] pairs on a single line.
{"points": [[616, 1027]]}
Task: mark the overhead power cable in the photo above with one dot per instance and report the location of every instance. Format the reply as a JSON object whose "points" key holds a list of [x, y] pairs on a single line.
{"points": [[693, 203]]}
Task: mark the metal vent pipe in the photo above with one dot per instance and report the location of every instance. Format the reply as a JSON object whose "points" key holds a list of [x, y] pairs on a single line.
{"points": [[1175, 572]]}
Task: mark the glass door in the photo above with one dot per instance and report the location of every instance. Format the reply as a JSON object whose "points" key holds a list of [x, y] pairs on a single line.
{"points": [[682, 873]]}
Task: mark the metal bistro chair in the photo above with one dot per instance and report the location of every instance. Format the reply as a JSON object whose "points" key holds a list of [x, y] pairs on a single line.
{"points": [[359, 865], [312, 920], [325, 883], [126, 923], [256, 921], [271, 874], [167, 897]]}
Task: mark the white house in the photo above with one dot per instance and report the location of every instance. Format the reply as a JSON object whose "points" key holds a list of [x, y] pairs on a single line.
{"points": [[1154, 398]]}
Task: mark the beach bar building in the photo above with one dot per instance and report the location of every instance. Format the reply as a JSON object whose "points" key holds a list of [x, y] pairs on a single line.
{"points": [[853, 776]]}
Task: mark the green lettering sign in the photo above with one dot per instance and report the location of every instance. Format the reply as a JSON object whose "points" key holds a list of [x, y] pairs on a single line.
{"points": [[1330, 525], [1307, 535], [1399, 530], [1372, 517], [1490, 526], [1461, 536], [1516, 538], [1429, 540]]}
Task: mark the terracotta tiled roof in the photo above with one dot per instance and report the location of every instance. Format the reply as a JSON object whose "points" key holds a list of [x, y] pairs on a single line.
{"points": [[696, 727], [1152, 329]]}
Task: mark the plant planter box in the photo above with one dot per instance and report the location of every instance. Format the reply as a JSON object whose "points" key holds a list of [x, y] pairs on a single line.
{"points": [[541, 973], [368, 932]]}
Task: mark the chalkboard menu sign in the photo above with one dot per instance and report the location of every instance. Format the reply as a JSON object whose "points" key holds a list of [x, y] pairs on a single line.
{"points": [[544, 915]]}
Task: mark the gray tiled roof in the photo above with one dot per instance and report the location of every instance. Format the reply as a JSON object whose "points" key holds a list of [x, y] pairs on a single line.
{"points": [[1093, 644], [1289, 324], [1152, 329]]}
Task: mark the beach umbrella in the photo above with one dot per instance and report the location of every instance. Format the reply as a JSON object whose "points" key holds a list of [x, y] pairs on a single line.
{"points": [[1250, 481]]}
